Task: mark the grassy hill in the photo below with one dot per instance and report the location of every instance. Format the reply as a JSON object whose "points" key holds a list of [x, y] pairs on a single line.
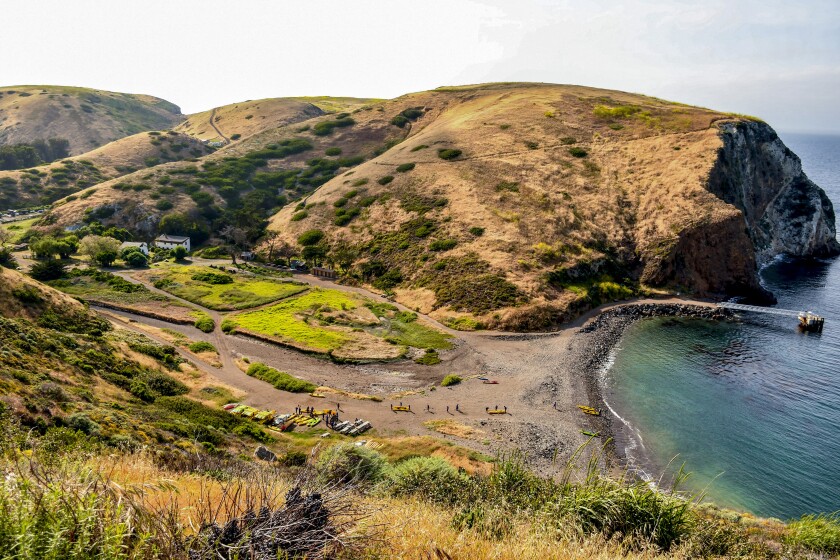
{"points": [[511, 206], [88, 118], [47, 183], [241, 120]]}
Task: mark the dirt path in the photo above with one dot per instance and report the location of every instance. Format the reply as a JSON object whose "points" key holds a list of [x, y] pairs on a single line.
{"points": [[216, 128]]}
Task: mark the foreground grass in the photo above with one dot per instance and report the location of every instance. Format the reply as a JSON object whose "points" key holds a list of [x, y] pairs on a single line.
{"points": [[240, 292], [63, 498]]}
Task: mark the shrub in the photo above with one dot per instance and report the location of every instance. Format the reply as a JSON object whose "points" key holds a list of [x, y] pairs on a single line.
{"points": [[27, 294], [405, 167], [430, 477], [443, 244], [179, 252], [385, 180], [83, 423], [212, 277], [205, 324], [531, 145], [311, 237], [568, 140], [577, 152], [236, 136], [135, 258], [347, 463], [451, 380], [279, 379], [448, 154], [476, 231], [48, 270], [201, 346], [298, 216], [332, 151], [164, 205], [399, 121], [819, 533], [430, 358], [419, 147]]}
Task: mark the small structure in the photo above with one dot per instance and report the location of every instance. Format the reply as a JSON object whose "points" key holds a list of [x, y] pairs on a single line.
{"points": [[142, 245], [171, 241], [322, 272], [247, 256]]}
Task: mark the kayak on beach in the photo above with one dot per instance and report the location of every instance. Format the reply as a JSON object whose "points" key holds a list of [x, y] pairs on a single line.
{"points": [[589, 410]]}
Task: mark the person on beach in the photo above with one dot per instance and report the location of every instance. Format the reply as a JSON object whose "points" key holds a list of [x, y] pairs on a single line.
{"points": [[447, 408], [486, 409], [505, 409], [457, 407]]}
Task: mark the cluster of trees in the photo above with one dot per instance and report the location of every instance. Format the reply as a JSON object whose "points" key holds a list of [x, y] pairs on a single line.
{"points": [[21, 156]]}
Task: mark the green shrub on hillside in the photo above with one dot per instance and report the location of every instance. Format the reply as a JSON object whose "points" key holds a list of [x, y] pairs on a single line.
{"points": [[449, 154], [385, 180], [577, 152], [405, 167], [334, 151], [451, 380], [432, 478], [279, 379], [346, 463], [325, 128], [430, 358], [201, 346], [818, 533]]}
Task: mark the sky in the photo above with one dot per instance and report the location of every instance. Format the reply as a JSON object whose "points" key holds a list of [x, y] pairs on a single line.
{"points": [[778, 60]]}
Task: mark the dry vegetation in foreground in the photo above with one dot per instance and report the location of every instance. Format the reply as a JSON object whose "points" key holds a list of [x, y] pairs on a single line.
{"points": [[64, 498]]}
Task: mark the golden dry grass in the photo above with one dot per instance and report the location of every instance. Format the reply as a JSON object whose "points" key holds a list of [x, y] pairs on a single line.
{"points": [[454, 428]]}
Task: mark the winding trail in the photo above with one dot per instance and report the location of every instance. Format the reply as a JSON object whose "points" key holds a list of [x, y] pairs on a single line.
{"points": [[216, 128]]}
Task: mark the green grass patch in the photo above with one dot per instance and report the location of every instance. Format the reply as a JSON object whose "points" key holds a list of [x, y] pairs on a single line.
{"points": [[202, 346], [191, 283], [294, 320], [280, 379], [402, 327]]}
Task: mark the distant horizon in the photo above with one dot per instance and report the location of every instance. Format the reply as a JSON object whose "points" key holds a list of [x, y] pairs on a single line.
{"points": [[774, 59], [823, 132]]}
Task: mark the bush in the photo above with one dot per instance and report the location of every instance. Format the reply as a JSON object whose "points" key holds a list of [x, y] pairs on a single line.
{"points": [[235, 136], [201, 346], [819, 533], [405, 167], [332, 151], [179, 252], [430, 358], [212, 277], [205, 324], [448, 154], [346, 463], [430, 477], [443, 244], [279, 379], [451, 380], [577, 152], [164, 205], [82, 423], [48, 270], [311, 237], [385, 180], [135, 258], [476, 231]]}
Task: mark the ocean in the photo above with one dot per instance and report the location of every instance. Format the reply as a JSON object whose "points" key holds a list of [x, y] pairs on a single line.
{"points": [[751, 409]]}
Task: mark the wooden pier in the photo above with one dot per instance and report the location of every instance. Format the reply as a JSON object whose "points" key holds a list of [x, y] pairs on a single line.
{"points": [[808, 321]]}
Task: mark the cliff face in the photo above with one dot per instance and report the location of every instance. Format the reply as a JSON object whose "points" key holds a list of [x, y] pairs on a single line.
{"points": [[784, 211]]}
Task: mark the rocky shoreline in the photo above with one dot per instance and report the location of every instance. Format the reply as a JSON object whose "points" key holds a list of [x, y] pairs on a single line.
{"points": [[595, 341]]}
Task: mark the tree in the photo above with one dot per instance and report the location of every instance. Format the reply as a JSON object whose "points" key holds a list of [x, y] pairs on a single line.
{"points": [[236, 239], [311, 237], [343, 253], [45, 248], [5, 237], [134, 257], [179, 252], [47, 270], [105, 258], [103, 250], [270, 240], [286, 251]]}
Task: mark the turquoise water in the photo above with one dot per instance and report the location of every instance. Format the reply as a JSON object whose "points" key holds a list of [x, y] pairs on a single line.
{"points": [[751, 408]]}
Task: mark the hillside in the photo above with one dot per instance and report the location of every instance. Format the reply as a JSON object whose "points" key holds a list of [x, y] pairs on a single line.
{"points": [[88, 118], [513, 206], [47, 183], [241, 120]]}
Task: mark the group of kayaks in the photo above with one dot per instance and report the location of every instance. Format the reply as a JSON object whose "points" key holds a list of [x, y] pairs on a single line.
{"points": [[592, 411]]}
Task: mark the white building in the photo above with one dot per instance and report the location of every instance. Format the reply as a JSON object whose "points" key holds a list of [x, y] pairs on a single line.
{"points": [[171, 241], [142, 245]]}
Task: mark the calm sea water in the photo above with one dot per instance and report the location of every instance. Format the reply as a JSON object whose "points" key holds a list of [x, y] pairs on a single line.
{"points": [[751, 409]]}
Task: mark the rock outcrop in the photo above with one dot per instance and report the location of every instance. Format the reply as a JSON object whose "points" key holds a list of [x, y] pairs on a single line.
{"points": [[784, 211]]}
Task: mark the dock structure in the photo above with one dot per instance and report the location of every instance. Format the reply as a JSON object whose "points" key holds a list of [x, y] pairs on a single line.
{"points": [[808, 321]]}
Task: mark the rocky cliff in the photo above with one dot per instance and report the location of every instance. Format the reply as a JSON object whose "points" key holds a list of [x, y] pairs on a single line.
{"points": [[784, 211]]}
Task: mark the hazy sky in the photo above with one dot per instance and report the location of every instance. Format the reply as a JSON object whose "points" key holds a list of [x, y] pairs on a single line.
{"points": [[779, 60]]}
